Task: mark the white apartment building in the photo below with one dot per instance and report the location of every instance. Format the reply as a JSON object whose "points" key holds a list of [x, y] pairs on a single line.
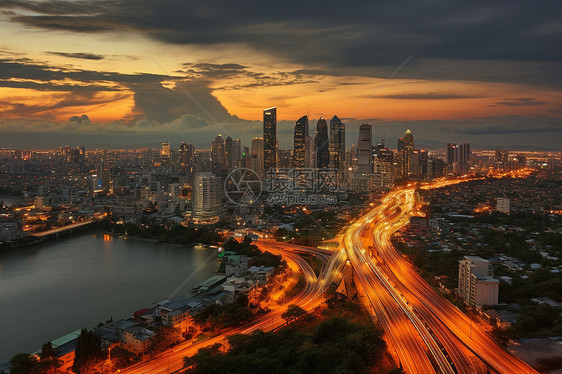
{"points": [[476, 286], [502, 205]]}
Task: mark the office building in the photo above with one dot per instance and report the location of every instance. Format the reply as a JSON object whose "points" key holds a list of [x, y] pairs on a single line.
{"points": [[270, 138], [337, 146], [464, 158], [322, 144], [186, 158], [228, 152], [302, 144], [406, 146], [165, 154], [502, 159], [383, 165], [257, 161], [218, 154]]}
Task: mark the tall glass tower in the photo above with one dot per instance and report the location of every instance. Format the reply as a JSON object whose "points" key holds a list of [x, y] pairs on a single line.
{"points": [[337, 145], [270, 138], [322, 144], [301, 143]]}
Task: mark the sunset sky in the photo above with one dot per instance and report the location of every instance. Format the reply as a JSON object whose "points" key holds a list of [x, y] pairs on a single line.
{"points": [[138, 72]]}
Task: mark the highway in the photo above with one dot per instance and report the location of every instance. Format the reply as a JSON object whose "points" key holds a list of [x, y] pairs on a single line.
{"points": [[396, 287], [309, 298], [425, 332]]}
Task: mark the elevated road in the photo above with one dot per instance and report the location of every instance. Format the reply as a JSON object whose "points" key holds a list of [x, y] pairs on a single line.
{"points": [[397, 286], [309, 298]]}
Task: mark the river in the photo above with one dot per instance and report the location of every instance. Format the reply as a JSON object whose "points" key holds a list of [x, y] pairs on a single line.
{"points": [[49, 290]]}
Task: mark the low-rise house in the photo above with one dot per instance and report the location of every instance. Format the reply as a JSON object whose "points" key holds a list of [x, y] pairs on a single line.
{"points": [[262, 273], [236, 285], [136, 338], [236, 264]]}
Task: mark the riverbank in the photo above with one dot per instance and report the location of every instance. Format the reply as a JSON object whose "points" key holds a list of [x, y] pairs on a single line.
{"points": [[54, 288]]}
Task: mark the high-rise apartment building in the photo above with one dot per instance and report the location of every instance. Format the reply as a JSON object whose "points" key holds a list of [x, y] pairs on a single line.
{"points": [[207, 195], [365, 149], [502, 205], [476, 285]]}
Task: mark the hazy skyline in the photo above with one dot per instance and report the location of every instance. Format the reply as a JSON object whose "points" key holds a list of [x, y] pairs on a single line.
{"points": [[106, 72]]}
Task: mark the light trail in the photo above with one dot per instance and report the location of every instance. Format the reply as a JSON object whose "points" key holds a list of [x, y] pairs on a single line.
{"points": [[367, 241]]}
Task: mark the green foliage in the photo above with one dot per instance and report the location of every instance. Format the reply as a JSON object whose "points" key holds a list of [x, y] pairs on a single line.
{"points": [[164, 337], [121, 358], [246, 248], [48, 358], [24, 363], [88, 352], [170, 233], [292, 313], [357, 349], [222, 316], [533, 318]]}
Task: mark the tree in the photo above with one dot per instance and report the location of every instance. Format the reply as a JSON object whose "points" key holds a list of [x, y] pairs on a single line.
{"points": [[24, 363], [293, 312], [48, 358], [165, 337], [88, 352]]}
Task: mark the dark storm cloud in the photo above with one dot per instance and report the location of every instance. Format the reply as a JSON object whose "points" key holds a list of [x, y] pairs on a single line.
{"points": [[508, 125], [65, 100], [428, 96], [80, 119], [78, 55], [357, 35], [521, 101], [27, 69], [165, 104]]}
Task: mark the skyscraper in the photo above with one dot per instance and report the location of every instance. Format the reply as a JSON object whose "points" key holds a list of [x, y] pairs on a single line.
{"points": [[187, 157], [337, 146], [257, 161], [458, 158], [228, 146], [217, 154], [452, 160], [365, 149], [322, 144], [502, 159], [165, 154], [407, 153], [207, 195], [301, 143], [270, 138], [236, 153], [464, 158], [383, 160]]}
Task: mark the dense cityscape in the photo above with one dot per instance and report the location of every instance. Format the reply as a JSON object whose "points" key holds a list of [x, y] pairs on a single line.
{"points": [[182, 195], [201, 187]]}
